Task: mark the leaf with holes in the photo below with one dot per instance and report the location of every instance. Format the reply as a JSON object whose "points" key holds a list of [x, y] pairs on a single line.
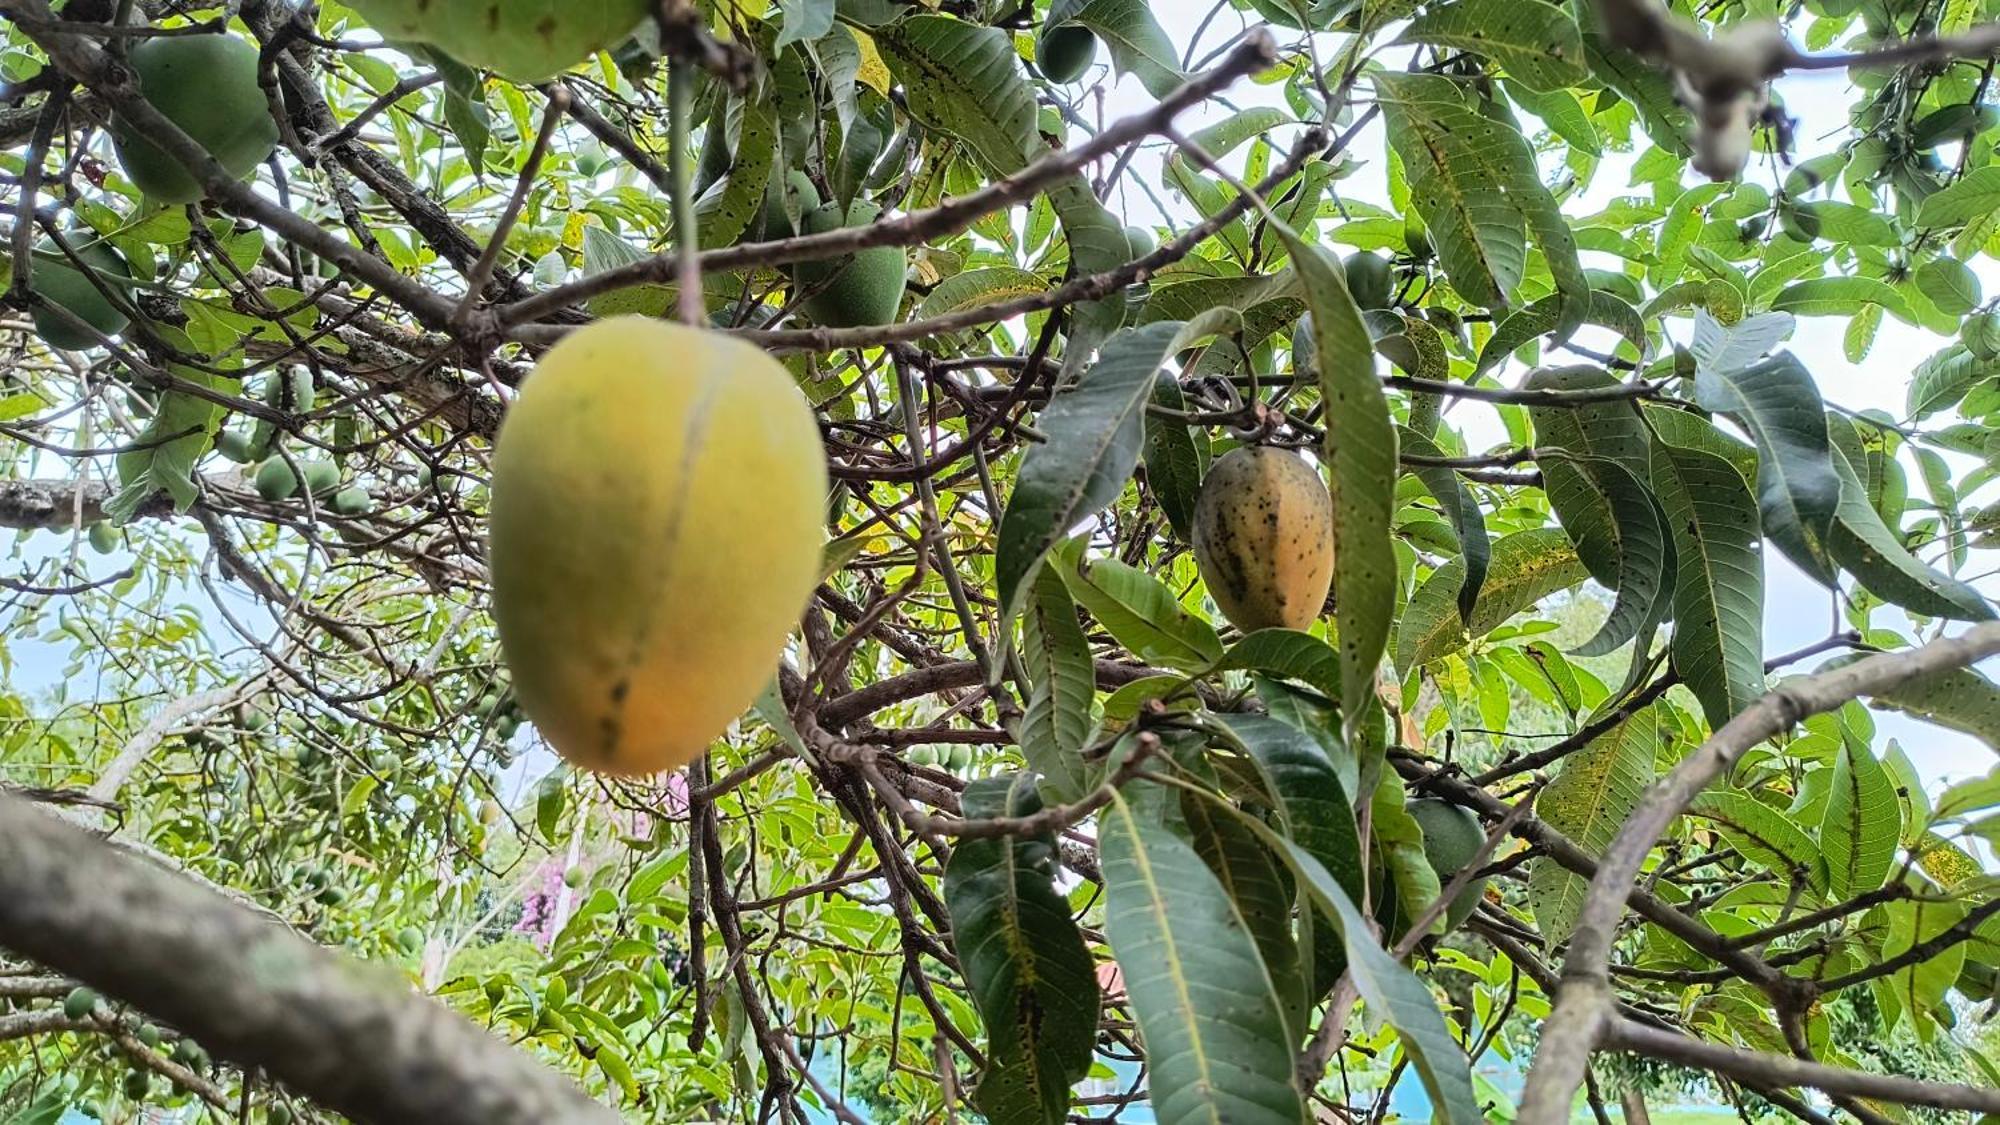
{"points": [[1213, 1026], [1535, 42], [1026, 967], [1597, 788], [1861, 823]]}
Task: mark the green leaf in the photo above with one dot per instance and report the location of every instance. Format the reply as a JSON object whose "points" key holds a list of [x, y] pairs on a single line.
{"points": [[1093, 430], [1974, 196], [1859, 829], [974, 288], [1394, 993], [618, 1071], [15, 407], [1537, 43], [1136, 609], [1763, 835], [1588, 802], [1798, 491], [1176, 456], [1841, 222], [1056, 725], [1468, 523], [1921, 987], [1963, 700], [1869, 549], [1251, 876], [1026, 967], [1943, 379], [1318, 811], [1406, 884], [1545, 316], [1527, 567], [722, 215], [1839, 296], [1288, 653], [1213, 1026], [1718, 643], [1561, 112], [1138, 45], [805, 21], [1950, 284], [1619, 531], [1360, 451], [964, 81], [163, 454], [1096, 245]]}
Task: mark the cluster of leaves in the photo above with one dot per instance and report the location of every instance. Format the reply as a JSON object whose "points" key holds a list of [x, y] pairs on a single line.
{"points": [[1016, 745]]}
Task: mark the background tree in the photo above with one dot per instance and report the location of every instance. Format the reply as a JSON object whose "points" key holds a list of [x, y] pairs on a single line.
{"points": [[1317, 491]]}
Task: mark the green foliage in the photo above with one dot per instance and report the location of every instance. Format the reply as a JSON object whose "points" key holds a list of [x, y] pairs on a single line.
{"points": [[1023, 821]]}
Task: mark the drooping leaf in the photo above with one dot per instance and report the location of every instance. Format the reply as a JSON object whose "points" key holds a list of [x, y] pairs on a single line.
{"points": [[1718, 645], [1251, 876], [1176, 456], [1213, 1026], [1527, 567], [1468, 523], [1405, 883], [1288, 653], [1763, 835], [1136, 609], [1094, 431], [1360, 450], [1861, 823], [1920, 988], [1596, 789], [1056, 723], [1867, 548], [1537, 43], [1798, 491], [1025, 963], [1139, 46], [1963, 700], [1475, 182], [964, 81]]}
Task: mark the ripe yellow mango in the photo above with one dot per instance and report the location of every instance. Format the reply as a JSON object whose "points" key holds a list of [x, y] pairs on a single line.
{"points": [[658, 497], [1263, 538]]}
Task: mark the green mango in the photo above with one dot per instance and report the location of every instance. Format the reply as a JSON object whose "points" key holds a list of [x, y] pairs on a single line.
{"points": [[1064, 53], [57, 281], [522, 40], [864, 289], [207, 85]]}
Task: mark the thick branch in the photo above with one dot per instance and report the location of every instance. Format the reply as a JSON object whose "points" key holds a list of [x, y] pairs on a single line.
{"points": [[256, 993]]}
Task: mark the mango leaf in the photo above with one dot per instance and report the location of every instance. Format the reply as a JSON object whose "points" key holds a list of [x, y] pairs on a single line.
{"points": [[722, 215], [1360, 450], [1963, 700], [974, 288], [1093, 430], [1139, 45], [805, 21], [1136, 609], [1537, 43], [1920, 988], [1394, 993], [1974, 196], [964, 81], [1798, 491], [1527, 567], [1096, 245], [1546, 316], [1405, 883], [1941, 380], [1763, 835], [163, 454], [1462, 510], [1288, 653], [1860, 826], [1561, 112], [1176, 456], [1056, 724], [1214, 1028], [1475, 183], [1251, 877], [1839, 296], [1588, 801], [1025, 963], [1718, 643], [1869, 549]]}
